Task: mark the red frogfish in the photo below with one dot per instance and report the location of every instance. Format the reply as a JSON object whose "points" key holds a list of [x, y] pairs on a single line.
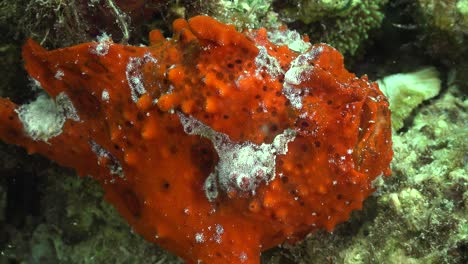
{"points": [[214, 144]]}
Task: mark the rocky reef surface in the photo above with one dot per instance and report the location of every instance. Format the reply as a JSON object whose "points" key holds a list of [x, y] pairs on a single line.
{"points": [[418, 215]]}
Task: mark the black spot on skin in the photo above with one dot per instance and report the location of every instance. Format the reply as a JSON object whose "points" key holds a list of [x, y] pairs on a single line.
{"points": [[204, 156], [293, 192], [304, 124], [128, 124], [273, 216], [166, 185], [140, 116], [317, 144], [306, 127], [252, 206], [274, 128]]}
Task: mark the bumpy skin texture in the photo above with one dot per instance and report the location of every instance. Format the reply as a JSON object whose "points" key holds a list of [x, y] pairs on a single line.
{"points": [[130, 101]]}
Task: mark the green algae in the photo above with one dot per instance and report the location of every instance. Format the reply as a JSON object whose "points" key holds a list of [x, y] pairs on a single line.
{"points": [[345, 25], [245, 13]]}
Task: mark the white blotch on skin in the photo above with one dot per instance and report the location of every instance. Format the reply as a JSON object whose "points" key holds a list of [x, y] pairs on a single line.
{"points": [[59, 74], [104, 41], [199, 238], [267, 63], [105, 96], [299, 71], [44, 117], [242, 165]]}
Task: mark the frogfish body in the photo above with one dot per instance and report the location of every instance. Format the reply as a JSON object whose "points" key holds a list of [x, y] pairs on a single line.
{"points": [[214, 144]]}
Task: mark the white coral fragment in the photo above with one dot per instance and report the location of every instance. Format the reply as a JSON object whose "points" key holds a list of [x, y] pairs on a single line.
{"points": [[405, 91]]}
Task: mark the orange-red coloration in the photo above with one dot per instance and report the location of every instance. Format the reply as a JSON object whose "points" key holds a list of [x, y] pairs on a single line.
{"points": [[208, 71]]}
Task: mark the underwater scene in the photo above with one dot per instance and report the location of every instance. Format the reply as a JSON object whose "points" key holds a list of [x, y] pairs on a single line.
{"points": [[234, 131]]}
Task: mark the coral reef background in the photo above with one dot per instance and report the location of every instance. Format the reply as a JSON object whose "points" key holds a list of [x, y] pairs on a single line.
{"points": [[418, 215]]}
